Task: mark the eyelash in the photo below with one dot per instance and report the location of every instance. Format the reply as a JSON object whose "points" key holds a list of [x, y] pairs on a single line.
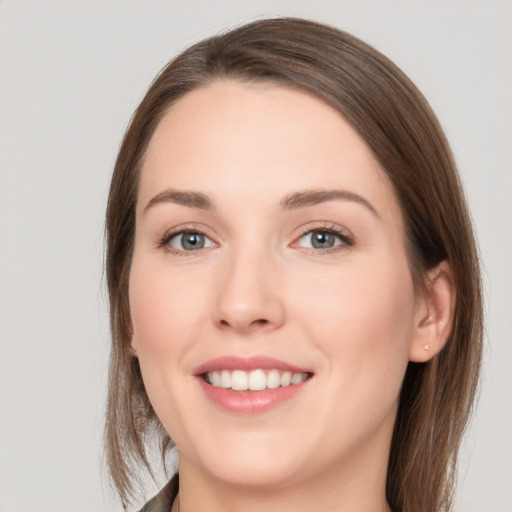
{"points": [[164, 242], [345, 239]]}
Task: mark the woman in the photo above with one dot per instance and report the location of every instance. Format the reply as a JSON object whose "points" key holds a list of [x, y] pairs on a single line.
{"points": [[294, 283]]}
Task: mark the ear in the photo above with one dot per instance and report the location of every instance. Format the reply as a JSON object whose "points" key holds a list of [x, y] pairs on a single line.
{"points": [[133, 340], [133, 349], [434, 315]]}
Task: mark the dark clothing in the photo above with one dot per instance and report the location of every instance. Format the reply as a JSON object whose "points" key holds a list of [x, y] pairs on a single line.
{"points": [[163, 501]]}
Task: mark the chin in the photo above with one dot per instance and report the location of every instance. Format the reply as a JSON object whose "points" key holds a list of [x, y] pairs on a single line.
{"points": [[247, 472], [251, 460]]}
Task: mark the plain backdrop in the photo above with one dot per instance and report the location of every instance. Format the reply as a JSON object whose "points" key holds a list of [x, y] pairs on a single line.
{"points": [[71, 73]]}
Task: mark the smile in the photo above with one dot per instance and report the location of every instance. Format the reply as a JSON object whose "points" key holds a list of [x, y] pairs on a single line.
{"points": [[251, 385], [255, 380]]}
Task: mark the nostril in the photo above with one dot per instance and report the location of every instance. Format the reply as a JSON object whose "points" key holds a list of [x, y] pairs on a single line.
{"points": [[260, 321]]}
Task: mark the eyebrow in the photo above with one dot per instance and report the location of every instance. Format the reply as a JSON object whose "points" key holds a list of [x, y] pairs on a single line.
{"points": [[313, 197], [293, 201], [184, 198]]}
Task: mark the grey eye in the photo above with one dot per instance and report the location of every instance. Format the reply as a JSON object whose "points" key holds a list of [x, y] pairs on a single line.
{"points": [[190, 241], [320, 240]]}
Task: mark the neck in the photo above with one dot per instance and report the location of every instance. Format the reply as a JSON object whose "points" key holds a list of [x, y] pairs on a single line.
{"points": [[359, 487]]}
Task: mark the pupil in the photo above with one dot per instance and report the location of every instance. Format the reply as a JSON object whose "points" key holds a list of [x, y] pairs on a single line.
{"points": [[322, 240], [193, 241]]}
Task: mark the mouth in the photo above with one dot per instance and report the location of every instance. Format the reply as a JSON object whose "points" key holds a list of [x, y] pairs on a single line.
{"points": [[251, 385], [255, 380]]}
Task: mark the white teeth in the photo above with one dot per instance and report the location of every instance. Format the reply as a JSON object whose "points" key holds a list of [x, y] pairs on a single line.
{"points": [[297, 378], [286, 378], [256, 380], [239, 380], [225, 379], [215, 379], [273, 379]]}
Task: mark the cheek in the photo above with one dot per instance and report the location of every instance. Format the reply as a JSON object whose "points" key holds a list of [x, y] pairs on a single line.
{"points": [[149, 308], [362, 319], [162, 307], [365, 348], [165, 314]]}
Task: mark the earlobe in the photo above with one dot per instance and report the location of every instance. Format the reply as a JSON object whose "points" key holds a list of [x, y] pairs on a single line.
{"points": [[133, 350], [434, 319]]}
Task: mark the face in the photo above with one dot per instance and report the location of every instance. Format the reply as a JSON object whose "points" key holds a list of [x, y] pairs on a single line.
{"points": [[271, 298]]}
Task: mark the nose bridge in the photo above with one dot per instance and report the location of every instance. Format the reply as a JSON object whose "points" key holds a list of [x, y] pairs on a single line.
{"points": [[248, 296]]}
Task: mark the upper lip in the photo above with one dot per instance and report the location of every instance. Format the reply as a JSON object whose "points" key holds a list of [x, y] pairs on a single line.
{"points": [[247, 364]]}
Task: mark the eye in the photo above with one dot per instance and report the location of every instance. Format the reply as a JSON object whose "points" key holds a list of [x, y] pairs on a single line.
{"points": [[323, 239], [188, 241]]}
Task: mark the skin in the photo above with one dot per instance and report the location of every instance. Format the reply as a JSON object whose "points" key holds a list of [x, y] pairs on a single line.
{"points": [[350, 315]]}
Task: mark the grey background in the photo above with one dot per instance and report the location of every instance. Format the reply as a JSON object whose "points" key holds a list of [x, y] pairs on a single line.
{"points": [[71, 73]]}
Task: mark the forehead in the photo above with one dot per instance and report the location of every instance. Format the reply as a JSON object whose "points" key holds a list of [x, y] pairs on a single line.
{"points": [[253, 140]]}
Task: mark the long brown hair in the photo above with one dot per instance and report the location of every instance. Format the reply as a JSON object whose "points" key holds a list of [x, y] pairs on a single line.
{"points": [[395, 120]]}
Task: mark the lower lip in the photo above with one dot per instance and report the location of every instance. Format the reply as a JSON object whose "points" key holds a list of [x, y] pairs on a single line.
{"points": [[250, 402]]}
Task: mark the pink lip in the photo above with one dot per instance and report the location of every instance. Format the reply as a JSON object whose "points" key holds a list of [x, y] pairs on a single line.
{"points": [[247, 364], [248, 402]]}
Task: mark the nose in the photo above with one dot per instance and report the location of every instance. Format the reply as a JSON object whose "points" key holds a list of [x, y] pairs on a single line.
{"points": [[249, 298]]}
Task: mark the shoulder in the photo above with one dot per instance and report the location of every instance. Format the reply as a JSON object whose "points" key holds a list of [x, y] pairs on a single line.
{"points": [[163, 501]]}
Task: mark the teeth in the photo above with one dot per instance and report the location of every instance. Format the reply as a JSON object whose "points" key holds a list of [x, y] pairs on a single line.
{"points": [[225, 379], [273, 379], [239, 380], [215, 379], [256, 380], [286, 378], [297, 378]]}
